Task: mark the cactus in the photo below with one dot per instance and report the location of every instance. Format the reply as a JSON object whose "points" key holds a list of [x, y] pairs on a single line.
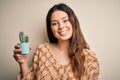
{"points": [[26, 39], [23, 38]]}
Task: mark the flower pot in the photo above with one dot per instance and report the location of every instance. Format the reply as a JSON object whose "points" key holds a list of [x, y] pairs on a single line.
{"points": [[25, 48]]}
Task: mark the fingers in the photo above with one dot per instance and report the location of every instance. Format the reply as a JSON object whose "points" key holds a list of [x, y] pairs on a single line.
{"points": [[17, 51], [16, 46], [20, 58], [17, 56]]}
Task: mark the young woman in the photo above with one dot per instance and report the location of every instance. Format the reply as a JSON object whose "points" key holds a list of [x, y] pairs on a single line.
{"points": [[66, 57]]}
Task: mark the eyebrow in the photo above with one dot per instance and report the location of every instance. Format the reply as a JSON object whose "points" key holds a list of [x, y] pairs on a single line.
{"points": [[64, 17], [61, 18]]}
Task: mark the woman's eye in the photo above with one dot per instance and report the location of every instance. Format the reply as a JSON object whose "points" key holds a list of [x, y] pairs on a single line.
{"points": [[54, 24], [65, 20]]}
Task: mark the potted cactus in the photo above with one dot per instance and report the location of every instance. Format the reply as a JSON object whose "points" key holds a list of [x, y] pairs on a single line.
{"points": [[24, 43], [23, 38]]}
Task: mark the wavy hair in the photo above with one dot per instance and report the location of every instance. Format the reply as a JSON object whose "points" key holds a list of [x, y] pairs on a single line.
{"points": [[77, 41]]}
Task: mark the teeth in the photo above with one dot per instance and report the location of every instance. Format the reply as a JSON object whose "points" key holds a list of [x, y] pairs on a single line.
{"points": [[63, 32]]}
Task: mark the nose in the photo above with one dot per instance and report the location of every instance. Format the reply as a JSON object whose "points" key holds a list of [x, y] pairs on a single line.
{"points": [[61, 25]]}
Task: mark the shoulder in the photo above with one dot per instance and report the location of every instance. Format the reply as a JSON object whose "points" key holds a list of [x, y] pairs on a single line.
{"points": [[43, 45], [90, 57], [41, 51], [91, 63], [89, 54], [42, 48]]}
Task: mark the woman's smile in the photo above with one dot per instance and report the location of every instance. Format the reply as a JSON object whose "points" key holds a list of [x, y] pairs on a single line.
{"points": [[63, 33]]}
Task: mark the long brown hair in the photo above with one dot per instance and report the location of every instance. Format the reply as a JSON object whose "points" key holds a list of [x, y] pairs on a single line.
{"points": [[77, 41]]}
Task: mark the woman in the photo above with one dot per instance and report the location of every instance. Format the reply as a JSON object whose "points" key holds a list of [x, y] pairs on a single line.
{"points": [[66, 57]]}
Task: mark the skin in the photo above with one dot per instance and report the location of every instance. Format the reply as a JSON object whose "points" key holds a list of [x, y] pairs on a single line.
{"points": [[62, 30]]}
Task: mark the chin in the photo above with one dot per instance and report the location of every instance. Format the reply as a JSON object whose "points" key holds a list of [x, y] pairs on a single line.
{"points": [[65, 38]]}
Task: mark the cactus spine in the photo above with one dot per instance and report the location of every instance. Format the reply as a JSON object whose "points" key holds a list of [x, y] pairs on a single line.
{"points": [[23, 38]]}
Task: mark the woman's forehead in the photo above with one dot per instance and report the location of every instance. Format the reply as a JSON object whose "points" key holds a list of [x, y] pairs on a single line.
{"points": [[58, 14]]}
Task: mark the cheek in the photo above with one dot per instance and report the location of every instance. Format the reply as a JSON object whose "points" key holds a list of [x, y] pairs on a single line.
{"points": [[54, 30], [70, 26], [71, 29]]}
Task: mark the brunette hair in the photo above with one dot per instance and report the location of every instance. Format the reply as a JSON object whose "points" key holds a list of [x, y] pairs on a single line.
{"points": [[77, 41]]}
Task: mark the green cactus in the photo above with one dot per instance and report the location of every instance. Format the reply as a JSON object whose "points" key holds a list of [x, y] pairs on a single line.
{"points": [[26, 39], [23, 38]]}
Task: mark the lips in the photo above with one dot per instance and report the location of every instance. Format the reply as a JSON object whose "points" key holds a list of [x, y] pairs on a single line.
{"points": [[63, 33]]}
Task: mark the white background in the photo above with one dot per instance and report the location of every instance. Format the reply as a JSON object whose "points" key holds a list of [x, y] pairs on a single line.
{"points": [[100, 24]]}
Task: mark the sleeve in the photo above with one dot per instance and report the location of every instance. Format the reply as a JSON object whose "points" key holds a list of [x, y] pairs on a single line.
{"points": [[32, 71], [91, 66]]}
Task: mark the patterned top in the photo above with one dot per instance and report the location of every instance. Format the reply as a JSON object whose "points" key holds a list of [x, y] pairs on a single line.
{"points": [[45, 67]]}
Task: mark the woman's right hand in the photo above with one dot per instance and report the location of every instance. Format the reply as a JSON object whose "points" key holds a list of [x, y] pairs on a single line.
{"points": [[20, 58]]}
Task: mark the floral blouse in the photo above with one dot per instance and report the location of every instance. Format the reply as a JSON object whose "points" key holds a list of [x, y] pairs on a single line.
{"points": [[45, 67]]}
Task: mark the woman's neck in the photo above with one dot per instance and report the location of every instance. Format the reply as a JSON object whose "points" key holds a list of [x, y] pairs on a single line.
{"points": [[63, 46]]}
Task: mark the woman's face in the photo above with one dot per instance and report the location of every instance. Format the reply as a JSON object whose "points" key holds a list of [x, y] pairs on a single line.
{"points": [[60, 25]]}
